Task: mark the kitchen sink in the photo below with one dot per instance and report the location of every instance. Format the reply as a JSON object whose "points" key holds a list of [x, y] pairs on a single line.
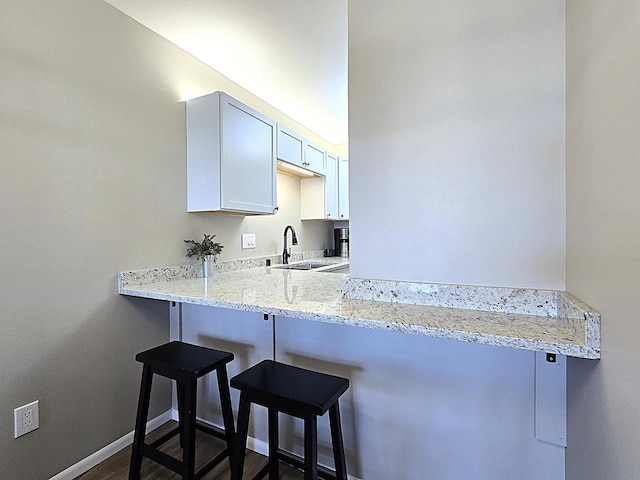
{"points": [[305, 265], [340, 269]]}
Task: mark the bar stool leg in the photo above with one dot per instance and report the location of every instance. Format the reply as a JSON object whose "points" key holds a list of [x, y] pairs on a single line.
{"points": [[180, 393], [244, 409], [311, 447], [141, 423], [189, 452], [227, 414], [337, 443], [274, 441]]}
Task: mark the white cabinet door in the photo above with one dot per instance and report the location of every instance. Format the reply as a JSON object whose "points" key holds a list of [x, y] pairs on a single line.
{"points": [[231, 152], [290, 146], [331, 187], [297, 150], [314, 158], [343, 188], [319, 195], [248, 168]]}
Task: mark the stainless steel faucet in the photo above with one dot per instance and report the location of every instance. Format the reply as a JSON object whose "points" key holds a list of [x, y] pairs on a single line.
{"points": [[294, 241]]}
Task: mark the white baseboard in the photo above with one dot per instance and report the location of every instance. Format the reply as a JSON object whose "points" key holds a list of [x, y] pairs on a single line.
{"points": [[262, 447], [259, 446], [94, 459]]}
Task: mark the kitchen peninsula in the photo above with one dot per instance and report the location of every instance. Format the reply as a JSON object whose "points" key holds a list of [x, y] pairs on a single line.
{"points": [[411, 388], [537, 320]]}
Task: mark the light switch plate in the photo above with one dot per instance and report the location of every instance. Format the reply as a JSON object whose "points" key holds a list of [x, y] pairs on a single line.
{"points": [[248, 240]]}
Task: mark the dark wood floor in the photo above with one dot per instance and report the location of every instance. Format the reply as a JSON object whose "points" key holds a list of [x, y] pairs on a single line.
{"points": [[116, 467]]}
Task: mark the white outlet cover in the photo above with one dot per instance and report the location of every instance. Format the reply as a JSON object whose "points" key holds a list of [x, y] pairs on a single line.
{"points": [[26, 418]]}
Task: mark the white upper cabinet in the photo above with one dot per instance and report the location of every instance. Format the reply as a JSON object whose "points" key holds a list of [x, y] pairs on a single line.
{"points": [[319, 195], [290, 146], [343, 188], [314, 158], [331, 186], [297, 150], [231, 151]]}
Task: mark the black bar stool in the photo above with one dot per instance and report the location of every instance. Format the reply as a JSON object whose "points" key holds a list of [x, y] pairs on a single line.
{"points": [[184, 363], [298, 392]]}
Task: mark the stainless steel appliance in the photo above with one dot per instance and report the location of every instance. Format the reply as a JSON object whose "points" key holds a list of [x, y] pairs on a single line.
{"points": [[341, 241]]}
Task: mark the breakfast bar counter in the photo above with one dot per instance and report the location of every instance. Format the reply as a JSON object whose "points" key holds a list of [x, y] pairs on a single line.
{"points": [[537, 320]]}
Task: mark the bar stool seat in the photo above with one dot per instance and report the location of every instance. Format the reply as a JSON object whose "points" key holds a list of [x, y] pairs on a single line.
{"points": [[297, 392], [184, 363]]}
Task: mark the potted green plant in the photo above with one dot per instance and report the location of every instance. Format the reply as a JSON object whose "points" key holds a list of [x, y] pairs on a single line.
{"points": [[204, 250]]}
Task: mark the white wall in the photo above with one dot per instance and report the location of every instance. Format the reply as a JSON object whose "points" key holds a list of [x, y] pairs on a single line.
{"points": [[603, 233], [457, 141], [269, 229], [456, 123], [420, 408], [92, 182], [416, 405]]}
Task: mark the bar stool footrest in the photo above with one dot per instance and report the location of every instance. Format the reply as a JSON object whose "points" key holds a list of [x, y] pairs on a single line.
{"points": [[296, 461], [172, 463], [167, 461], [212, 464], [262, 473], [165, 438], [162, 458], [211, 430], [203, 427]]}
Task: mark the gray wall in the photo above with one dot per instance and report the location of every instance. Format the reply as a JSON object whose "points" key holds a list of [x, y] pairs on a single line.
{"points": [[603, 233], [93, 181]]}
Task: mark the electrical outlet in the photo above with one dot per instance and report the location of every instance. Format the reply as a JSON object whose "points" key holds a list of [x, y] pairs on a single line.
{"points": [[26, 418], [248, 240]]}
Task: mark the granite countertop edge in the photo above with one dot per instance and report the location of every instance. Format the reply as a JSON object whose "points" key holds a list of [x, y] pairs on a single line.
{"points": [[569, 327]]}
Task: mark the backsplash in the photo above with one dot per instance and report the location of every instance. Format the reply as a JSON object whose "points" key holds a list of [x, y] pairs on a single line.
{"points": [[179, 272], [548, 303]]}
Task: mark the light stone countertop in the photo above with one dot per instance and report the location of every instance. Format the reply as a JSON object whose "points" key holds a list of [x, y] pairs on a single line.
{"points": [[562, 325]]}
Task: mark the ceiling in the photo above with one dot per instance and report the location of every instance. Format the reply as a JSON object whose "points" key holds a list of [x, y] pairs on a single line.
{"points": [[290, 53]]}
